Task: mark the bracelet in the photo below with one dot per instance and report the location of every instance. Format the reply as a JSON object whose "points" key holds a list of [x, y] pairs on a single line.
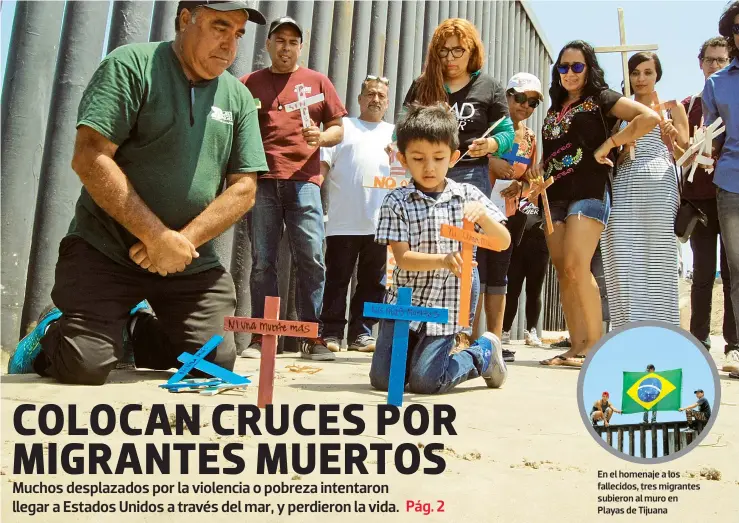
{"points": [[615, 145]]}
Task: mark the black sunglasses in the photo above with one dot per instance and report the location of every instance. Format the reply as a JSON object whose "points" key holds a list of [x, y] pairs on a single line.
{"points": [[521, 98], [577, 68]]}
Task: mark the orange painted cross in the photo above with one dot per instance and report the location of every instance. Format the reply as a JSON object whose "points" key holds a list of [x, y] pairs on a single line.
{"points": [[468, 238], [270, 327]]}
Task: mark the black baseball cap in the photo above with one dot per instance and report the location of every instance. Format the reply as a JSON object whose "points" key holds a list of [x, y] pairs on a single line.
{"points": [[254, 15], [285, 20], [697, 391]]}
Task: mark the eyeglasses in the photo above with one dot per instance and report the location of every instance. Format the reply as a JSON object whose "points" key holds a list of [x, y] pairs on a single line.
{"points": [[718, 61], [457, 52], [521, 98], [373, 78], [577, 68]]}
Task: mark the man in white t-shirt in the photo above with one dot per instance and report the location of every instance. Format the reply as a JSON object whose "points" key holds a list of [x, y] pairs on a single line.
{"points": [[352, 217]]}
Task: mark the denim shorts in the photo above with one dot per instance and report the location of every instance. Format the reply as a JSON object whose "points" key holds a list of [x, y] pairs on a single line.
{"points": [[597, 209]]}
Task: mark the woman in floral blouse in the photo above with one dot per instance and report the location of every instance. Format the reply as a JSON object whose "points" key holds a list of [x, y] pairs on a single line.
{"points": [[577, 144]]}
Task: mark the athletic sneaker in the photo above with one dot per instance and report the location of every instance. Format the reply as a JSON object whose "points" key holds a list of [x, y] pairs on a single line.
{"points": [[29, 347], [494, 370], [363, 343], [563, 344], [254, 350], [506, 338], [731, 361], [315, 349], [531, 339], [509, 356], [333, 344], [127, 361]]}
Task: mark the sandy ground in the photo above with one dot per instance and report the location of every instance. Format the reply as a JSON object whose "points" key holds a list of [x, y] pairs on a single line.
{"points": [[521, 454]]}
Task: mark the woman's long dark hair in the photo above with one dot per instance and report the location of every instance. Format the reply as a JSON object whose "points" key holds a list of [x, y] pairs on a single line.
{"points": [[725, 24], [596, 80]]}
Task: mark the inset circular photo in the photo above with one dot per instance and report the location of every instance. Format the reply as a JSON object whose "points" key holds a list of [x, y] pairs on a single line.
{"points": [[648, 393]]}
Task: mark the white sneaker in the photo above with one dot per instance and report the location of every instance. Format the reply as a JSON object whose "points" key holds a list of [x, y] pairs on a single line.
{"points": [[492, 352], [531, 338], [731, 363], [506, 338]]}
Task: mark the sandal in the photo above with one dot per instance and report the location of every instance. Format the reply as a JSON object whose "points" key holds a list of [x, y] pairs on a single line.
{"points": [[562, 361]]}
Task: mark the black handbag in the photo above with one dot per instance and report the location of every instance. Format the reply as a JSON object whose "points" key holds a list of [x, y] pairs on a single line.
{"points": [[688, 216]]}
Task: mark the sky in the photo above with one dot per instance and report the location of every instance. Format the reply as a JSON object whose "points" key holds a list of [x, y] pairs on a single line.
{"points": [[632, 351], [677, 27]]}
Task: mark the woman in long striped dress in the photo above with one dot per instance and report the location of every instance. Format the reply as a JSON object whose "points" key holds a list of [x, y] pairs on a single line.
{"points": [[639, 244]]}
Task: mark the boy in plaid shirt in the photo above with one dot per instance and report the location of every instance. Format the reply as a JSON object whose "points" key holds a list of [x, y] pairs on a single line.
{"points": [[410, 222]]}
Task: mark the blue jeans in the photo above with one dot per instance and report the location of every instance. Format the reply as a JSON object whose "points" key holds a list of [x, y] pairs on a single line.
{"points": [[298, 206], [728, 217], [430, 368], [342, 253]]}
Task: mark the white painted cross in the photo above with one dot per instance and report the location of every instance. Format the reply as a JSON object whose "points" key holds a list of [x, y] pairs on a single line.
{"points": [[702, 146], [303, 103], [625, 50]]}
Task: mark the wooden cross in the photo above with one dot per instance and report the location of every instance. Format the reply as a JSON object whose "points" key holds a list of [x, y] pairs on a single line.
{"points": [[541, 190], [625, 50], [222, 378], [270, 327], [303, 103], [702, 147], [402, 313], [512, 156], [468, 238], [659, 108]]}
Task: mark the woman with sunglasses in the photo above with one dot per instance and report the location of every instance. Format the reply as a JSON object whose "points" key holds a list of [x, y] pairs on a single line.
{"points": [[645, 202], [528, 255], [577, 143], [453, 74]]}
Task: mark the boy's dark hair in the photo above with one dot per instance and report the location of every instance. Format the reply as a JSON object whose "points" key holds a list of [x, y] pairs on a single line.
{"points": [[716, 41], [650, 367], [434, 123], [725, 23]]}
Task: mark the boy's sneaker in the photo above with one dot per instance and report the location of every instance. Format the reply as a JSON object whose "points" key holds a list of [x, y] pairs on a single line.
{"points": [[29, 347], [506, 338], [333, 344], [254, 350], [363, 343], [494, 370], [315, 349], [127, 361], [531, 339]]}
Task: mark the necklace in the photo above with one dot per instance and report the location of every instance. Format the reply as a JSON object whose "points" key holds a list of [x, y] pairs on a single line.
{"points": [[280, 107]]}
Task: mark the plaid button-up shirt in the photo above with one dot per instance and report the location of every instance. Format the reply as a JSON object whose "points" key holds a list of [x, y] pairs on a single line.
{"points": [[409, 215]]}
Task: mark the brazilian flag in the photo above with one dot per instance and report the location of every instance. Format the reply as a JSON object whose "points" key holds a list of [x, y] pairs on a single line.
{"points": [[652, 391]]}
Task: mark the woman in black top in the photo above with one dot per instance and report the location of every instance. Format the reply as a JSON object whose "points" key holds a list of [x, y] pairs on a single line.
{"points": [[452, 74], [577, 143]]}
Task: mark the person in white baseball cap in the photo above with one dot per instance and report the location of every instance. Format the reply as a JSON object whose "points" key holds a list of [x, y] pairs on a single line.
{"points": [[523, 82]]}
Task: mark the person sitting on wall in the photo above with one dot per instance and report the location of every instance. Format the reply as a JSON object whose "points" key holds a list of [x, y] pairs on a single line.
{"points": [[161, 126], [603, 409], [704, 408]]}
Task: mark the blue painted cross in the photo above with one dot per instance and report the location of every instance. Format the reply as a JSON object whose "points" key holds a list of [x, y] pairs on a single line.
{"points": [[197, 361], [402, 313], [512, 156]]}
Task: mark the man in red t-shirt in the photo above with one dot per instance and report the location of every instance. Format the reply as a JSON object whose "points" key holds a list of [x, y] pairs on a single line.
{"points": [[290, 192], [713, 56]]}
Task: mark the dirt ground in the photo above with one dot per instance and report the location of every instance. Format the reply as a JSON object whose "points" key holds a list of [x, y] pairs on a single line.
{"points": [[521, 453]]}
